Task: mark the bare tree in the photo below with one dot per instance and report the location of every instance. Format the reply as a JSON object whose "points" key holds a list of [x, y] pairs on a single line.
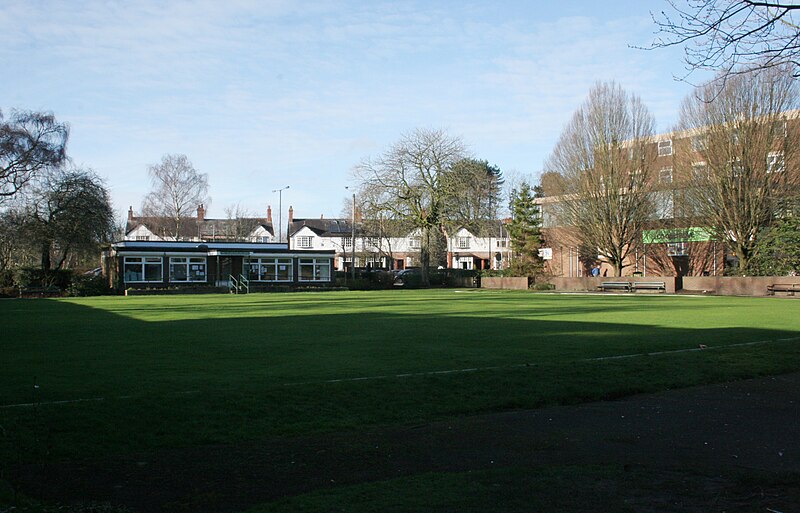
{"points": [[744, 158], [732, 36], [410, 183], [29, 143], [239, 223], [604, 162], [178, 189]]}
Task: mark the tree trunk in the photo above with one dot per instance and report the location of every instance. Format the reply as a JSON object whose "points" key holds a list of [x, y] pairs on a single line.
{"points": [[45, 256]]}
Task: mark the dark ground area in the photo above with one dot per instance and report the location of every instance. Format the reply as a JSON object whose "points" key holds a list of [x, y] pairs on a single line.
{"points": [[715, 434]]}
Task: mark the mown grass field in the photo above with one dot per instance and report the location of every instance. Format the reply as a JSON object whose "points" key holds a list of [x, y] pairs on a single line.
{"points": [[107, 376]]}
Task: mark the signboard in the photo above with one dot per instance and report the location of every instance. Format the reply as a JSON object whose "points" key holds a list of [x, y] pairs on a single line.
{"points": [[546, 253], [667, 235]]}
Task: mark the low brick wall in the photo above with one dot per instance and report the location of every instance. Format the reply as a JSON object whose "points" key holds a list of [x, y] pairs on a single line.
{"points": [[591, 284], [509, 283], [736, 285]]}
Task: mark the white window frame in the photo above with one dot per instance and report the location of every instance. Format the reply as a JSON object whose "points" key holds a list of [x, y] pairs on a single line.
{"points": [[347, 242], [317, 265], [677, 249], [665, 148], [700, 171], [305, 241], [698, 143], [665, 175], [775, 162], [192, 269], [282, 269], [463, 243], [143, 262], [415, 242]]}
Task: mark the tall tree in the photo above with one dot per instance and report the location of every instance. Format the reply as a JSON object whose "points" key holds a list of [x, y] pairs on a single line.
{"points": [[178, 189], [779, 249], [732, 36], [411, 182], [67, 211], [480, 184], [30, 142], [524, 229], [745, 154], [604, 164]]}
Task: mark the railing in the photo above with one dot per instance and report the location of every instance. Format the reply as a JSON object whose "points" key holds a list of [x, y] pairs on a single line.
{"points": [[242, 284]]}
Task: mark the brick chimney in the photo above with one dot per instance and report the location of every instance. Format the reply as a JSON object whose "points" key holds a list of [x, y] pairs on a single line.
{"points": [[358, 215], [201, 212], [130, 213], [291, 215], [269, 214]]}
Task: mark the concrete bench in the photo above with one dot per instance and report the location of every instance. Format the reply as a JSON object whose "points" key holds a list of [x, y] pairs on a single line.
{"points": [[789, 288], [615, 285], [649, 285]]}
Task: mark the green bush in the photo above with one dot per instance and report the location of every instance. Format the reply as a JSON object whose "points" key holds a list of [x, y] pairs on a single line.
{"points": [[83, 285], [35, 277]]}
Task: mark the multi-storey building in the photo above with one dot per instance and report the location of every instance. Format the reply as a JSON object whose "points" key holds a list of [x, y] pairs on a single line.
{"points": [[676, 241]]}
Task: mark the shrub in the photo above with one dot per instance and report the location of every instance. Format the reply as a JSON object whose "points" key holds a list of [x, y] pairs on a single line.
{"points": [[83, 285], [35, 277]]}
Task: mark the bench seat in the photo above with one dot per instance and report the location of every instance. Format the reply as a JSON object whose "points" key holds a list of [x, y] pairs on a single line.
{"points": [[615, 285], [790, 288], [649, 285]]}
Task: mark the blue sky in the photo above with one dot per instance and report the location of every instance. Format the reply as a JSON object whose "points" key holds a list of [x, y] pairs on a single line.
{"points": [[266, 93]]}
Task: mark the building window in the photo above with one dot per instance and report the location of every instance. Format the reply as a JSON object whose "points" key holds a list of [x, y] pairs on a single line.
{"points": [[347, 242], [269, 269], [305, 241], [665, 148], [699, 143], [664, 205], [415, 242], [143, 269], [463, 243], [775, 162], [187, 269], [677, 249], [501, 243], [779, 128], [665, 176], [700, 171], [143, 237], [315, 269]]}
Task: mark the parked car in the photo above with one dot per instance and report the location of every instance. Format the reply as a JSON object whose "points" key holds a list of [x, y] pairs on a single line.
{"points": [[408, 278]]}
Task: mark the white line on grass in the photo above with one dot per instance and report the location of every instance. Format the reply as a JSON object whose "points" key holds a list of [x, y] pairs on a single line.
{"points": [[439, 372]]}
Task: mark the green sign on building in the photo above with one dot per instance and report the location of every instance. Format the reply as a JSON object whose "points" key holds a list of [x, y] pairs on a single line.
{"points": [[667, 235]]}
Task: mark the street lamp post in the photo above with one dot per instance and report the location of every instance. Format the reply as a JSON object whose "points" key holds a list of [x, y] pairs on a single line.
{"points": [[353, 240], [280, 212]]}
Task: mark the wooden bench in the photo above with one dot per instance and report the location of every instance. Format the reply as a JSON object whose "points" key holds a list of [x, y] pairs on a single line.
{"points": [[615, 285], [789, 288], [649, 285]]}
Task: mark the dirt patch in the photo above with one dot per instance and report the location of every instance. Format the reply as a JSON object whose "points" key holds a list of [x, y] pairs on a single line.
{"points": [[745, 425]]}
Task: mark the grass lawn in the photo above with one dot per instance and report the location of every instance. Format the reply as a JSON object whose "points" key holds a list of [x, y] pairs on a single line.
{"points": [[113, 375]]}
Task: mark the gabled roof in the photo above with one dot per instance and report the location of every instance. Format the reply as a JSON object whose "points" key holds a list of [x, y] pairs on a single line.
{"points": [[325, 227], [192, 228]]}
